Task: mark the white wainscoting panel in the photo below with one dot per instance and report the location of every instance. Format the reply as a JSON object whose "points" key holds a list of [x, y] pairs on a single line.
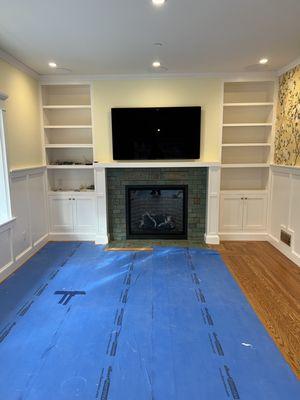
{"points": [[295, 212], [38, 206], [28, 232], [6, 250], [20, 210], [285, 209]]}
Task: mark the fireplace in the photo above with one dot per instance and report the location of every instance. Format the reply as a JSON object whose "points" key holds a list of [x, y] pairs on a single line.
{"points": [[156, 211]]}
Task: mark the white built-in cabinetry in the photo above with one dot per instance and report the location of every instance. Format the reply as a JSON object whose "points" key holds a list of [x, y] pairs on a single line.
{"points": [[69, 157], [73, 213], [243, 211], [246, 153]]}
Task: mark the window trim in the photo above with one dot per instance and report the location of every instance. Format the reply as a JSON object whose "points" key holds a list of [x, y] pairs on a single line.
{"points": [[4, 158]]}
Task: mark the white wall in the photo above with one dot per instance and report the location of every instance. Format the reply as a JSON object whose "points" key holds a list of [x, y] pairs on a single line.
{"points": [[284, 212], [29, 231]]}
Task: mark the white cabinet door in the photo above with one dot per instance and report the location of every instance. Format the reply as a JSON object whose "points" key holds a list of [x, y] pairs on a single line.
{"points": [[61, 214], [231, 212], [255, 212], [84, 214]]}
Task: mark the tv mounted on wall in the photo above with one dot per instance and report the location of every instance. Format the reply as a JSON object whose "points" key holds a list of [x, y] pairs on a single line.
{"points": [[158, 133]]}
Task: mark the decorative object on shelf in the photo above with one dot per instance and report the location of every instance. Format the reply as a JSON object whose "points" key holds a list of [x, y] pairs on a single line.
{"points": [[71, 163], [68, 137]]}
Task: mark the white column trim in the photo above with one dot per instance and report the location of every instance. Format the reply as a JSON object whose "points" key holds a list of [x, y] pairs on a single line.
{"points": [[101, 206], [212, 207]]}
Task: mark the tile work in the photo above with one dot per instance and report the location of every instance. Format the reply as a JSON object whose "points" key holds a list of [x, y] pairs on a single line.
{"points": [[195, 178]]}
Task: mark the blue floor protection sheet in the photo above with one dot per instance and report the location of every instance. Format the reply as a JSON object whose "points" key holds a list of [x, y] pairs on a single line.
{"points": [[78, 322]]}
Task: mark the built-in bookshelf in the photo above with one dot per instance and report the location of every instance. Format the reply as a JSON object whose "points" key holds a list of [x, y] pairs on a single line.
{"points": [[246, 138], [68, 137]]}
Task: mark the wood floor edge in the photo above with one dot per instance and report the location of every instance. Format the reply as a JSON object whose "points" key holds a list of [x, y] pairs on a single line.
{"points": [[233, 252]]}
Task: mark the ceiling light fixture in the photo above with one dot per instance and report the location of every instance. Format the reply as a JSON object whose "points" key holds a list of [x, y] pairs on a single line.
{"points": [[52, 64], [158, 3], [263, 61], [156, 64]]}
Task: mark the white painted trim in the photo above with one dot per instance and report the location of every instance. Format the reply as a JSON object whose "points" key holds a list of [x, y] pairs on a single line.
{"points": [[8, 269], [286, 169], [3, 225], [240, 236], [213, 204], [290, 173], [82, 78], [156, 164], [67, 237], [5, 163], [101, 239], [18, 64], [15, 173], [211, 239], [34, 242], [284, 249], [286, 68]]}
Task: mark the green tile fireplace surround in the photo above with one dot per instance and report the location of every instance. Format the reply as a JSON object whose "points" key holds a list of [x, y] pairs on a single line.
{"points": [[118, 178]]}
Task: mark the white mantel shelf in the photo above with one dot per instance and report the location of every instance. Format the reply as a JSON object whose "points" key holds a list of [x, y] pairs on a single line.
{"points": [[157, 164]]}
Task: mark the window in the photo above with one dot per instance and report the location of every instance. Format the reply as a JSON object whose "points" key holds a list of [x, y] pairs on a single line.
{"points": [[5, 208]]}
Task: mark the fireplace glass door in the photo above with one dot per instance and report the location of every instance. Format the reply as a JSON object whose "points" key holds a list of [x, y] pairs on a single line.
{"points": [[156, 212]]}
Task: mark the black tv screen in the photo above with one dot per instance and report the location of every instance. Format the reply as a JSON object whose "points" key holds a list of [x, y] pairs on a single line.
{"points": [[156, 133]]}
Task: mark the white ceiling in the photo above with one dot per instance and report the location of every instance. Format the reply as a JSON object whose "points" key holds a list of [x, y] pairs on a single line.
{"points": [[117, 36]]}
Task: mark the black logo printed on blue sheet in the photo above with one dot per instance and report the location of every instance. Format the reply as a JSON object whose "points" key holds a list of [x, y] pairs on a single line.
{"points": [[67, 295]]}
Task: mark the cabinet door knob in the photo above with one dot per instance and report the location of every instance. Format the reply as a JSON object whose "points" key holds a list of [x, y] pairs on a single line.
{"points": [[70, 198], [246, 198]]}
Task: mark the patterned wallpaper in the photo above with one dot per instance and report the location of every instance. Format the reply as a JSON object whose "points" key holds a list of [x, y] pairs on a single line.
{"points": [[287, 135]]}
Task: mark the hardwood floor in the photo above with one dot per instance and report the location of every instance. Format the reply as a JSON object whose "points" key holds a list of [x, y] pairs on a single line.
{"points": [[271, 283]]}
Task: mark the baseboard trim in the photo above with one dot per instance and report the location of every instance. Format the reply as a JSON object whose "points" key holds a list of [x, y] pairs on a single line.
{"points": [[69, 237], [212, 239], [101, 239], [284, 249], [244, 236], [10, 268]]}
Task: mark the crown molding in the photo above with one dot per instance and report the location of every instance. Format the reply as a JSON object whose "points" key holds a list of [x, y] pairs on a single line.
{"points": [[18, 64], [81, 78], [286, 68]]}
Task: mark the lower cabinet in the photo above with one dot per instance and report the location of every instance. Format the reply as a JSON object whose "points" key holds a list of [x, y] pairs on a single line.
{"points": [[74, 213], [243, 211]]}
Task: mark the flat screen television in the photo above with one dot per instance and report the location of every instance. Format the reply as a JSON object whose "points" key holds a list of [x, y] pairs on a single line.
{"points": [[160, 133]]}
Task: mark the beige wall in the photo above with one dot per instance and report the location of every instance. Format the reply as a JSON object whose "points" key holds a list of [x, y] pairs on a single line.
{"points": [[206, 93], [22, 117]]}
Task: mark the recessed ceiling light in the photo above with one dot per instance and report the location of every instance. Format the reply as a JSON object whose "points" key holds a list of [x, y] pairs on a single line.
{"points": [[156, 64], [52, 64], [158, 3], [263, 61]]}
